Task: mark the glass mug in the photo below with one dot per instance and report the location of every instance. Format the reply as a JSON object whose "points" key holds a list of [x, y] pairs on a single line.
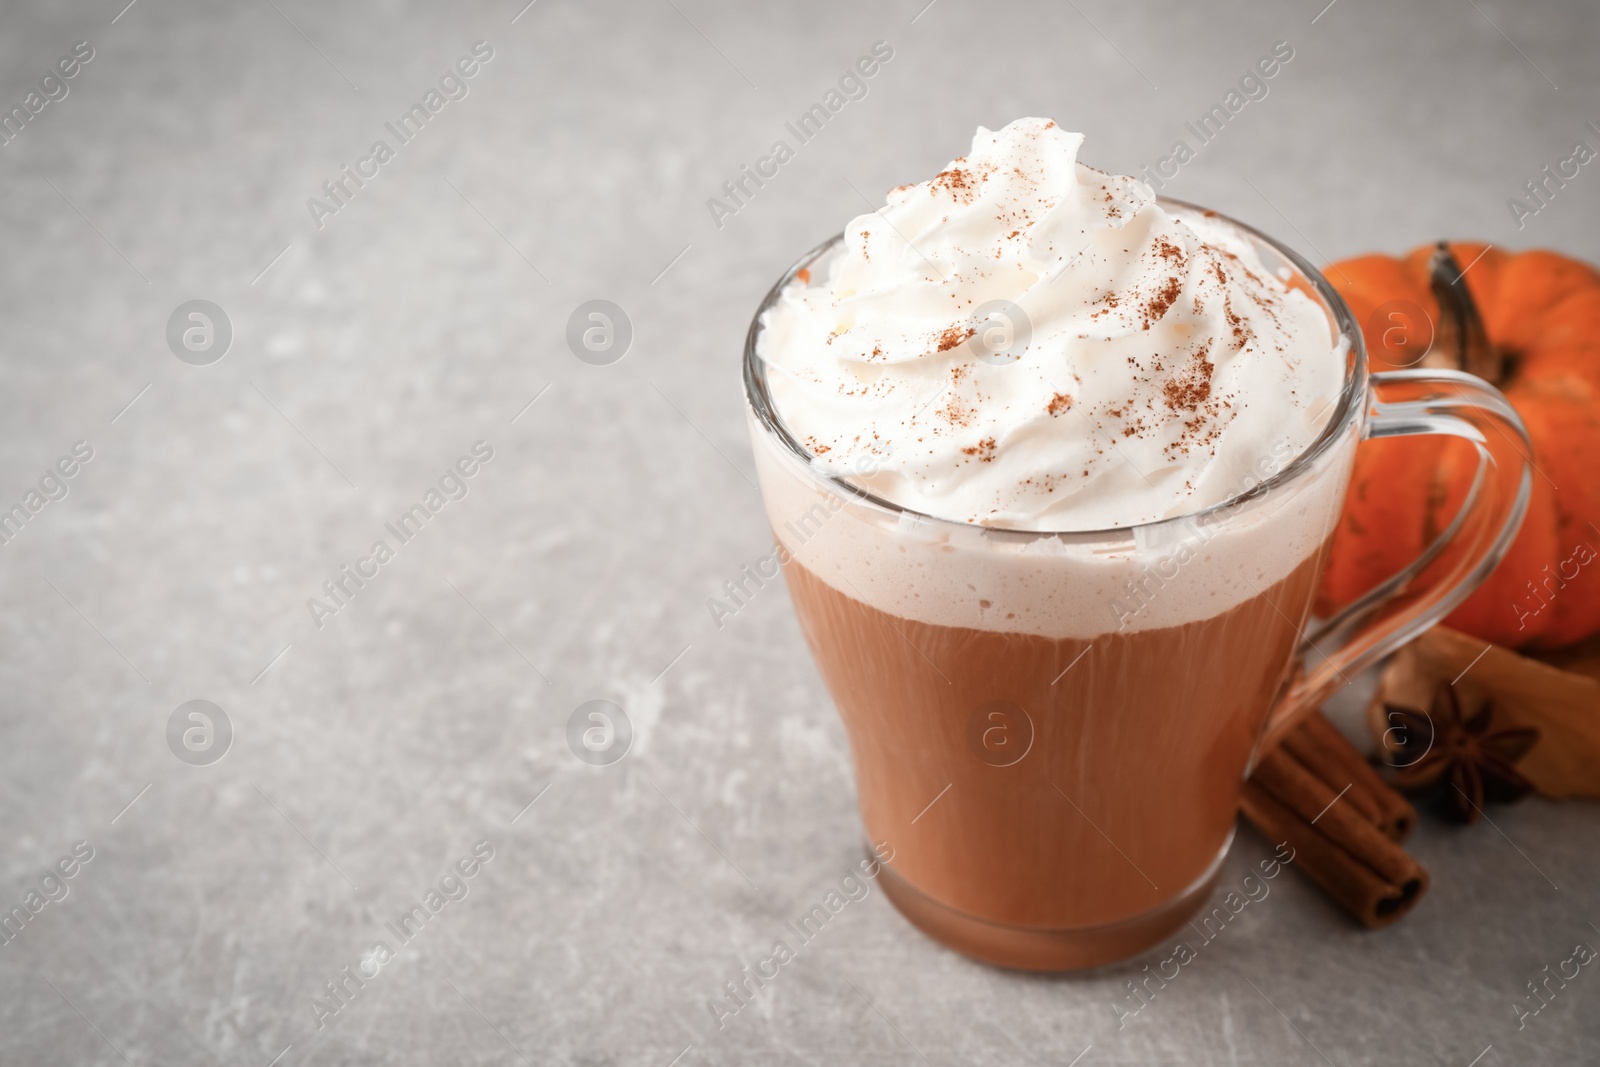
{"points": [[1051, 731]]}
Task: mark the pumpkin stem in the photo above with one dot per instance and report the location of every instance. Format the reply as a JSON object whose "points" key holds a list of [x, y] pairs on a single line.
{"points": [[1460, 341]]}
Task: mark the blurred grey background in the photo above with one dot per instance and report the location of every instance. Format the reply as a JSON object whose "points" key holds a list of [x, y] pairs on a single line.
{"points": [[373, 346]]}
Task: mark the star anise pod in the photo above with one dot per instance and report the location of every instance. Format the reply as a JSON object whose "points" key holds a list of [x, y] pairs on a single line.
{"points": [[1466, 761]]}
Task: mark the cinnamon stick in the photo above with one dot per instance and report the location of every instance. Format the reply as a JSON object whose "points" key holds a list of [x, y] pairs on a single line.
{"points": [[1323, 750], [1318, 794], [1373, 900]]}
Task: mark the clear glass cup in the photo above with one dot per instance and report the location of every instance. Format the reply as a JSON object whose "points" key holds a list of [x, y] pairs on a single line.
{"points": [[1060, 793]]}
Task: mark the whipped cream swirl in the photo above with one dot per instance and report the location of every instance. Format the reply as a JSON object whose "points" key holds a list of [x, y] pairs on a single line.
{"points": [[1026, 342]]}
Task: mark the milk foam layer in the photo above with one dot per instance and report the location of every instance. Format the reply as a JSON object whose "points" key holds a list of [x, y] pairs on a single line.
{"points": [[1026, 342], [1054, 585]]}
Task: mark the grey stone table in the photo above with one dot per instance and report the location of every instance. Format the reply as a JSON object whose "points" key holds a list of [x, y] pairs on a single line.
{"points": [[382, 745]]}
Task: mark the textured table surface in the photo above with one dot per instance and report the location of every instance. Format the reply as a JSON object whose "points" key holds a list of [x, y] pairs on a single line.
{"points": [[373, 748]]}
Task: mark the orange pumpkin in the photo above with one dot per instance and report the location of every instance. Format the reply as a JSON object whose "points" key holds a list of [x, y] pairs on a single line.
{"points": [[1528, 322]]}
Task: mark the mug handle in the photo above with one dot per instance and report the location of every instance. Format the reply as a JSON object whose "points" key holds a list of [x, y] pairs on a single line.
{"points": [[1413, 403]]}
